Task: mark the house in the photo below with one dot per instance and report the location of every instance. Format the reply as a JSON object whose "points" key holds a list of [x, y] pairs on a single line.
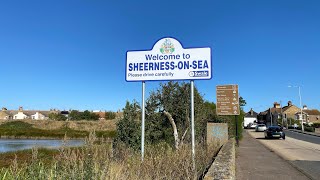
{"points": [[309, 115], [4, 114], [250, 117], [289, 112], [35, 115], [102, 115], [272, 115], [21, 115], [39, 115], [65, 114]]}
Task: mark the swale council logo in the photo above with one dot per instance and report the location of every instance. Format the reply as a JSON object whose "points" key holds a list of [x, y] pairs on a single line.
{"points": [[167, 47]]}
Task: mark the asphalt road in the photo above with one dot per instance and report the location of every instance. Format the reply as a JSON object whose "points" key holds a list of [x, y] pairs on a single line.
{"points": [[303, 137]]}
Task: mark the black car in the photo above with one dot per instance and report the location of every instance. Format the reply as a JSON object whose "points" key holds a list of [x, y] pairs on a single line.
{"points": [[274, 132]]}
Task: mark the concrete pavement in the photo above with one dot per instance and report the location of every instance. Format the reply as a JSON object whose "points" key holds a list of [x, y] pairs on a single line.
{"points": [[255, 161], [303, 155]]}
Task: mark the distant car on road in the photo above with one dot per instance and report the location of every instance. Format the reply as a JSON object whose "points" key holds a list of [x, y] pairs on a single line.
{"points": [[261, 127], [274, 132], [251, 125]]}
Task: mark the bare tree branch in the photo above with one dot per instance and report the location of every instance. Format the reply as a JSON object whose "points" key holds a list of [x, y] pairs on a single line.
{"points": [[175, 130]]}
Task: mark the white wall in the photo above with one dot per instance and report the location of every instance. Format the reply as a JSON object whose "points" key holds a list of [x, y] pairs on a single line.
{"points": [[38, 116], [20, 115], [248, 120]]}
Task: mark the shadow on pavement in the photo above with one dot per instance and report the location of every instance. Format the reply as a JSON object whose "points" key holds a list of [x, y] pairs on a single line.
{"points": [[274, 139], [310, 168]]}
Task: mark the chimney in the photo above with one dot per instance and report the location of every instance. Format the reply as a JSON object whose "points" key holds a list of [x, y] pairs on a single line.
{"points": [[20, 108], [276, 105], [251, 111], [305, 107], [289, 103], [4, 109]]}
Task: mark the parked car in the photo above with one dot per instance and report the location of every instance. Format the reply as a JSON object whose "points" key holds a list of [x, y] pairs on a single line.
{"points": [[261, 127], [251, 125], [274, 132]]}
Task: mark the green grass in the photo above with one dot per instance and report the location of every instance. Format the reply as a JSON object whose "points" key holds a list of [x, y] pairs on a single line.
{"points": [[22, 129], [25, 157]]}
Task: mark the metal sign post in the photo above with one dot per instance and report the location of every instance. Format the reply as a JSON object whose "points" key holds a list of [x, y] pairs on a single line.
{"points": [[192, 126], [237, 135], [143, 119]]}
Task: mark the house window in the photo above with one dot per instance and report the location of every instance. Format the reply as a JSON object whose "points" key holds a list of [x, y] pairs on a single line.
{"points": [[285, 115]]}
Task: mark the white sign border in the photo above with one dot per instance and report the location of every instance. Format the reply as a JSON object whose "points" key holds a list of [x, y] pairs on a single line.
{"points": [[211, 69]]}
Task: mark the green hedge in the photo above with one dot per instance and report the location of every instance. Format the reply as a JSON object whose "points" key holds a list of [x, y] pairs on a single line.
{"points": [[316, 125]]}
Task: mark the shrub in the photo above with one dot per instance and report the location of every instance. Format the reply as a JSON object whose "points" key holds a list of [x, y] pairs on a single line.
{"points": [[316, 125], [110, 115]]}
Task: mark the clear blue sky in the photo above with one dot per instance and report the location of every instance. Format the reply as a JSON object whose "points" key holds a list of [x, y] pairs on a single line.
{"points": [[71, 54]]}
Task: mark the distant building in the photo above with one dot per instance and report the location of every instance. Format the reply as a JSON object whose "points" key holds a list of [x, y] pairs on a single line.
{"points": [[102, 115], [250, 117], [309, 115], [4, 114], [290, 111], [39, 115], [21, 115], [276, 114]]}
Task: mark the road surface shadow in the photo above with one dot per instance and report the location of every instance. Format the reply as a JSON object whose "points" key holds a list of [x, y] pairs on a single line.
{"points": [[262, 138]]}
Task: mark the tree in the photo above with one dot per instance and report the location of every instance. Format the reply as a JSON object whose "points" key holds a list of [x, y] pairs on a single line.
{"points": [[242, 102], [85, 115], [128, 128], [168, 116], [110, 115], [74, 115], [57, 117]]}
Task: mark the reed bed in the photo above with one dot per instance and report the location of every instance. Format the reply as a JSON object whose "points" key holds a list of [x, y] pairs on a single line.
{"points": [[98, 160]]}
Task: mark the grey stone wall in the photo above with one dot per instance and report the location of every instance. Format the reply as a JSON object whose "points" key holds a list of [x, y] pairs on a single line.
{"points": [[223, 166]]}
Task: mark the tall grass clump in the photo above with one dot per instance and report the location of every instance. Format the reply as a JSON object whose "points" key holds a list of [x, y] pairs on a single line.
{"points": [[98, 160]]}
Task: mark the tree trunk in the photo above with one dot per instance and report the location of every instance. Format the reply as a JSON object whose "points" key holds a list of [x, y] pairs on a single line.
{"points": [[175, 130]]}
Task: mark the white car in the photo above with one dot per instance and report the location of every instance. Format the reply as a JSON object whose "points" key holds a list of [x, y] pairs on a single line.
{"points": [[251, 125], [261, 127]]}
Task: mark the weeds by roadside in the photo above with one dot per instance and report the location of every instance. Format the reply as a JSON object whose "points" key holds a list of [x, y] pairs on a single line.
{"points": [[97, 160]]}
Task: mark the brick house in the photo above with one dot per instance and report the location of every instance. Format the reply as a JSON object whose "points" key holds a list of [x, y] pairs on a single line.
{"points": [[310, 115], [290, 111], [271, 115]]}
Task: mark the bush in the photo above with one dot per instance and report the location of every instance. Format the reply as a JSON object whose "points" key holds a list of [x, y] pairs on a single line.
{"points": [[110, 115], [308, 129], [316, 125]]}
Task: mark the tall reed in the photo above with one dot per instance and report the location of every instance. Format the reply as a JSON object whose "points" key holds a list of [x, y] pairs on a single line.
{"points": [[97, 160]]}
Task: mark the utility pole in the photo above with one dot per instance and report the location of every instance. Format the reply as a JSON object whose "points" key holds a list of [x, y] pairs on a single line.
{"points": [[281, 112], [270, 115], [302, 128]]}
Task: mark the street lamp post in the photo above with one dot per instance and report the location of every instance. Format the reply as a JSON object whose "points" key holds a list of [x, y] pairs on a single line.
{"points": [[299, 87]]}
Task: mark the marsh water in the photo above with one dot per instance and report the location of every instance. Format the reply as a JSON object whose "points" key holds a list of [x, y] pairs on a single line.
{"points": [[9, 145]]}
